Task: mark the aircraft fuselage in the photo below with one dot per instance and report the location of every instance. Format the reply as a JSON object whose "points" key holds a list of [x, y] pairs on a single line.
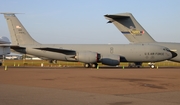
{"points": [[175, 47], [128, 52]]}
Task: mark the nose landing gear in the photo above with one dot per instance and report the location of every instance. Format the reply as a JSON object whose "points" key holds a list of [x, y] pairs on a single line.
{"points": [[152, 65]]}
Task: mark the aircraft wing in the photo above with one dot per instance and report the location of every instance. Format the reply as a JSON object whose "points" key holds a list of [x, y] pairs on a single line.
{"points": [[16, 47], [57, 50]]}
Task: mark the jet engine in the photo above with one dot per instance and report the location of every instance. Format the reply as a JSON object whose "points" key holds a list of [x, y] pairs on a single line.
{"points": [[111, 60], [87, 57]]}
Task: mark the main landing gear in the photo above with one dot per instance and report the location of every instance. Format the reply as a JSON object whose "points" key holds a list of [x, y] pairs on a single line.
{"points": [[88, 65], [135, 64], [53, 61]]}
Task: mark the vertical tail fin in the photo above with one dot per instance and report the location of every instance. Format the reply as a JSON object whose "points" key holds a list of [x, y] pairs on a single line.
{"points": [[129, 26], [19, 35]]}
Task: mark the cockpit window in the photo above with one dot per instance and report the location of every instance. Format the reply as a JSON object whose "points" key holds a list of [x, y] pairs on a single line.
{"points": [[166, 49]]}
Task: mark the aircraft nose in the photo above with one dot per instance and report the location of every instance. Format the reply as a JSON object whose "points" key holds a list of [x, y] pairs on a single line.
{"points": [[173, 54]]}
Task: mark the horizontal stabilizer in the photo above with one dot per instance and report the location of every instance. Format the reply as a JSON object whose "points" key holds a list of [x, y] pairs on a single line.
{"points": [[116, 16]]}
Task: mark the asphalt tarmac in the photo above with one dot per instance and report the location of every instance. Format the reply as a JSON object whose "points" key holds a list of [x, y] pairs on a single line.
{"points": [[87, 86]]}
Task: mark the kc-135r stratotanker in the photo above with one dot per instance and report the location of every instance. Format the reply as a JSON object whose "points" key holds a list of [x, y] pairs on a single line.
{"points": [[89, 54]]}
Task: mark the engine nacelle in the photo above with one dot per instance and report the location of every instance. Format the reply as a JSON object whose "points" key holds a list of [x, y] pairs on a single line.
{"points": [[111, 60], [87, 57]]}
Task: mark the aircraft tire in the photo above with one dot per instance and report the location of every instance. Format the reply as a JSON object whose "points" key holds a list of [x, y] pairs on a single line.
{"points": [[94, 65], [152, 66], [86, 65]]}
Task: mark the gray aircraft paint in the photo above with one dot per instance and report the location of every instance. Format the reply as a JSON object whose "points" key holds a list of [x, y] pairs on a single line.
{"points": [[15, 28], [130, 52], [175, 47], [68, 52], [124, 21]]}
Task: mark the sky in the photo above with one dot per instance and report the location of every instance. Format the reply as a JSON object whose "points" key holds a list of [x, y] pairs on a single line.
{"points": [[83, 22]]}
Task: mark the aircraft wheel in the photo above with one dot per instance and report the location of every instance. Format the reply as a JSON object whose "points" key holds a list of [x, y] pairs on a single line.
{"points": [[152, 66], [138, 66], [94, 65], [86, 65]]}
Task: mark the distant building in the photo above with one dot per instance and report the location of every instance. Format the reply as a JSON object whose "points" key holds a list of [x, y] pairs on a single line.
{"points": [[20, 57]]}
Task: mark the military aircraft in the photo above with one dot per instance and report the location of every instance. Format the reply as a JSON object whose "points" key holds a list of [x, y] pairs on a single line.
{"points": [[136, 34], [89, 54], [4, 47]]}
